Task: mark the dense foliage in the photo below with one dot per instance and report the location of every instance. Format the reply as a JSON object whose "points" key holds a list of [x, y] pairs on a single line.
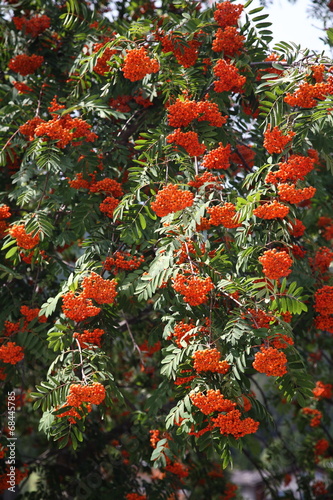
{"points": [[166, 223]]}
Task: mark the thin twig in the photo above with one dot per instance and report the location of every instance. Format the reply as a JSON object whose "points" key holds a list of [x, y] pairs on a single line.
{"points": [[9, 140], [189, 257], [84, 378], [264, 479], [136, 347], [196, 165], [44, 190]]}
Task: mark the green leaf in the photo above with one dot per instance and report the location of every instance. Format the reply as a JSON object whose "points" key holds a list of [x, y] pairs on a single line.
{"points": [[11, 252], [63, 442], [329, 33], [142, 221]]}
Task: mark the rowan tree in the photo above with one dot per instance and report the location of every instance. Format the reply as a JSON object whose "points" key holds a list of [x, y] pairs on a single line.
{"points": [[166, 224]]}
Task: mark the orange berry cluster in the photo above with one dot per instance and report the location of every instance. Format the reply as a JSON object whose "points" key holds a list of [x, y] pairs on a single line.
{"points": [[323, 305], [298, 228], [31, 314], [212, 401], [89, 337], [326, 224], [206, 62], [108, 186], [22, 88], [230, 491], [260, 319], [272, 57], [102, 67], [137, 64], [184, 380], [54, 107], [289, 193], [135, 496], [186, 55], [243, 156], [120, 103], [186, 252], [177, 468], [181, 332], [11, 353], [82, 397], [206, 178], [271, 210], [154, 437], [19, 475], [275, 141], [200, 432], [246, 403], [72, 412], [171, 199], [224, 215], [318, 71], [77, 307], [287, 316], [80, 393], [316, 416], [108, 206], [183, 112], [298, 251], [209, 360], [34, 26], [65, 129], [321, 446], [174, 467], [209, 111], [313, 153], [328, 233], [79, 182], [123, 260], [324, 323], [307, 95], [323, 259], [324, 221], [25, 65], [231, 423], [228, 76], [3, 228], [270, 361], [204, 225], [148, 350], [4, 212], [324, 300], [218, 158], [188, 140], [228, 41], [30, 126], [11, 328], [322, 391], [194, 289], [319, 489], [276, 264], [142, 101], [227, 13], [250, 109], [295, 168], [23, 239], [101, 290], [280, 341]]}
